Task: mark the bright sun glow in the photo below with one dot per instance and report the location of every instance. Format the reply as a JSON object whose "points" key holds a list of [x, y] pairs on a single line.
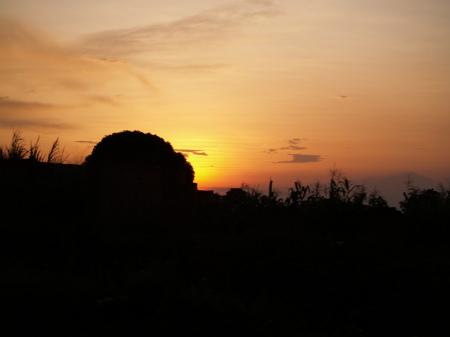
{"points": [[252, 90]]}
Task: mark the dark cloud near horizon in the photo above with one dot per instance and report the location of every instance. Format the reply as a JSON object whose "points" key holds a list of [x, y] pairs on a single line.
{"points": [[15, 113], [342, 97], [206, 26], [301, 158], [294, 141], [86, 142], [293, 147], [41, 123], [113, 61], [270, 151], [9, 104], [103, 99], [194, 152]]}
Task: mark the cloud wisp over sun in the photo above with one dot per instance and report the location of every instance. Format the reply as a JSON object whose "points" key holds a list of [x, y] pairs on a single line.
{"points": [[186, 153], [90, 142], [251, 82], [59, 81]]}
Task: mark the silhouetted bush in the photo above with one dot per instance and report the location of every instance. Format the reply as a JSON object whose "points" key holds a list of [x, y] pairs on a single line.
{"points": [[325, 261], [137, 178], [138, 148], [428, 212]]}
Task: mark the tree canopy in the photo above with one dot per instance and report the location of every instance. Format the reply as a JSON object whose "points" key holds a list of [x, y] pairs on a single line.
{"points": [[141, 148]]}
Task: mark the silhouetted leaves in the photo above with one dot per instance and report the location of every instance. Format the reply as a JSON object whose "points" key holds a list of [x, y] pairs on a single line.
{"points": [[428, 212], [327, 260], [139, 148]]}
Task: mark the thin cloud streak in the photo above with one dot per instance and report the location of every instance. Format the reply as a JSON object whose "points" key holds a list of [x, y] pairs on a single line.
{"points": [[301, 158], [9, 105], [52, 87], [293, 147], [271, 151], [206, 26], [15, 113], [342, 97], [103, 99], [34, 63], [294, 141], [86, 142], [6, 122], [194, 152]]}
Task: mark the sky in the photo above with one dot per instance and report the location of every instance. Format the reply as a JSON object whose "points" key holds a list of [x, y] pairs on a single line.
{"points": [[248, 90]]}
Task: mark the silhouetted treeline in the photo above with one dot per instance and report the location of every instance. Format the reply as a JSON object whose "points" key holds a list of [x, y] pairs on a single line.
{"points": [[107, 250]]}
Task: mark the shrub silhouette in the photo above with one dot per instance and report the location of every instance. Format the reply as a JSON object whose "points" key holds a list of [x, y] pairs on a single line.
{"points": [[140, 148], [428, 212], [138, 177]]}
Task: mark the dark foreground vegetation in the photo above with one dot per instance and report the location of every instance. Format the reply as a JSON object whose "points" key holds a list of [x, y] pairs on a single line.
{"points": [[78, 258]]}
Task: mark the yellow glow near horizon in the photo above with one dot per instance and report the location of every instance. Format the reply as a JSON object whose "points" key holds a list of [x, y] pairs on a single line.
{"points": [[362, 85]]}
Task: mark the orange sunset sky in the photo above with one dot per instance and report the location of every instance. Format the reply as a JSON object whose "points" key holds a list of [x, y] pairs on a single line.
{"points": [[248, 90]]}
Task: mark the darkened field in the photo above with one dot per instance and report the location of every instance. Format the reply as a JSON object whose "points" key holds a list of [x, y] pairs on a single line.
{"points": [[325, 262]]}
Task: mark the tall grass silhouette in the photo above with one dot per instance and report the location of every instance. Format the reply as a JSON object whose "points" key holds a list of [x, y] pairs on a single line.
{"points": [[19, 151], [330, 259]]}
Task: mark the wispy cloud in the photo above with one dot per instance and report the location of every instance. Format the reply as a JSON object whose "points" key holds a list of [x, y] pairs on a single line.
{"points": [[301, 158], [113, 61], [9, 106], [103, 99], [270, 151], [17, 113], [49, 85], [194, 152], [86, 142], [41, 123], [342, 97], [294, 141], [123, 66], [34, 63], [205, 27], [293, 147]]}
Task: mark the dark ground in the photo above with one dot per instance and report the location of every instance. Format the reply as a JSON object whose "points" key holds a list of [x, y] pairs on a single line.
{"points": [[233, 269]]}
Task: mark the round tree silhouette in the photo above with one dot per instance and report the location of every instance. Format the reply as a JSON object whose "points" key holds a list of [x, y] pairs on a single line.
{"points": [[138, 178]]}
